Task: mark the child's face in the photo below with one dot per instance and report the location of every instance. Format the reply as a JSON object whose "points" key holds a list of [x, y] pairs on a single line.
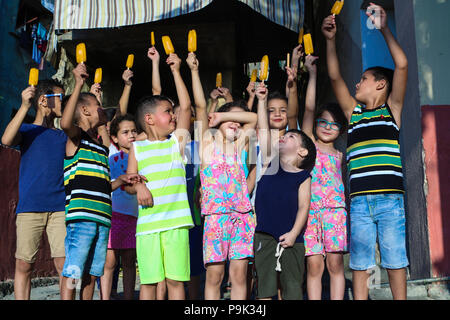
{"points": [[291, 143], [366, 87], [54, 103], [126, 135], [98, 115], [231, 130], [277, 109], [164, 119], [329, 133]]}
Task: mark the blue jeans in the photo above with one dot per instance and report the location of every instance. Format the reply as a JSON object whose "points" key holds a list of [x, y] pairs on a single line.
{"points": [[382, 216], [86, 244]]}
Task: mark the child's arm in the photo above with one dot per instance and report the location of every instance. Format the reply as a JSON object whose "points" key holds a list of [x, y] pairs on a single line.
{"points": [[251, 94], [292, 110], [103, 133], [225, 93], [346, 101], [153, 55], [304, 199], [184, 118], [264, 135], [67, 123], [397, 96], [310, 101], [125, 98], [12, 135], [143, 195], [214, 100]]}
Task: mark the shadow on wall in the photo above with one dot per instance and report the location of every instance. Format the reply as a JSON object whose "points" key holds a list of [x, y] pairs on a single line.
{"points": [[9, 173], [435, 120]]}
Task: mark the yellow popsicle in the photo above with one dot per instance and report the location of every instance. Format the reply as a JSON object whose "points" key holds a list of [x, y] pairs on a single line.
{"points": [[130, 61], [152, 36], [219, 80], [254, 75], [98, 75], [81, 53], [168, 46], [34, 77], [264, 68], [337, 7], [307, 39], [192, 41]]}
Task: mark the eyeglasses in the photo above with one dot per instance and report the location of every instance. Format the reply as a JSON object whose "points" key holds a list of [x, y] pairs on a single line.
{"points": [[324, 124], [60, 95]]}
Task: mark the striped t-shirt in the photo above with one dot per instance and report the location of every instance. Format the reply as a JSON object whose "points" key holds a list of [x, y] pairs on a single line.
{"points": [[161, 163], [373, 152], [87, 183]]}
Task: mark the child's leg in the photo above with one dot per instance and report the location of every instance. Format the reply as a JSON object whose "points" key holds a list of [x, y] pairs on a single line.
{"points": [[106, 279], [214, 277], [22, 280], [292, 272], [128, 257], [87, 287], [397, 281], [147, 292], [161, 290], [360, 287], [175, 289], [265, 264], [335, 266], [238, 277], [68, 286], [315, 267]]}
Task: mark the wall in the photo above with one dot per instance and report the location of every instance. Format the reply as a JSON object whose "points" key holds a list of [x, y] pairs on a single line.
{"points": [[433, 54]]}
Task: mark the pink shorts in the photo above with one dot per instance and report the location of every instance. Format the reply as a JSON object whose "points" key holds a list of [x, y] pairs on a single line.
{"points": [[123, 231], [326, 231], [228, 236]]}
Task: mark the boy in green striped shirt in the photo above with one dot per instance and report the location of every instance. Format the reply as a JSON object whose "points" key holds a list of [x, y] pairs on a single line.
{"points": [[162, 235], [373, 155]]}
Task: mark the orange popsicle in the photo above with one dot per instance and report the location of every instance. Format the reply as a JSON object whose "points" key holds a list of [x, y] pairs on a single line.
{"points": [[152, 38], [337, 7], [192, 41], [307, 39], [34, 77], [264, 68], [130, 61], [300, 36], [168, 46], [98, 75], [219, 80], [81, 53], [254, 75]]}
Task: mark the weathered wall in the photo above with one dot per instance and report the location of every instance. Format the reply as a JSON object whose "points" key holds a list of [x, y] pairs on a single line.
{"points": [[9, 177]]}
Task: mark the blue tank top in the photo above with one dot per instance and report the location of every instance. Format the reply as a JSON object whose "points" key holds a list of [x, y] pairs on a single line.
{"points": [[276, 202]]}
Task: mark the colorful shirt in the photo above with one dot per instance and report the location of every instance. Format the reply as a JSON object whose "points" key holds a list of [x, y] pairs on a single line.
{"points": [[87, 183], [224, 185], [327, 187], [373, 152], [161, 163]]}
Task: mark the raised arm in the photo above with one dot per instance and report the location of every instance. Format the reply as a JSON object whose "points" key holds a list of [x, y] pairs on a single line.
{"points": [[304, 199], [251, 94], [125, 98], [310, 101], [264, 136], [12, 136], [184, 118], [67, 123], [214, 100], [292, 110], [153, 55], [346, 101]]}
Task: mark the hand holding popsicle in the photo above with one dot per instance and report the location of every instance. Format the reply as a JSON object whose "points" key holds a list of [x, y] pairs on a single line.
{"points": [[80, 74], [329, 28], [153, 54], [126, 76], [297, 53], [174, 62], [27, 95], [310, 64], [378, 16], [192, 61]]}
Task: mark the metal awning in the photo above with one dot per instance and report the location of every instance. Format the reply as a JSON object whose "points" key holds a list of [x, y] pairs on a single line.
{"points": [[91, 14]]}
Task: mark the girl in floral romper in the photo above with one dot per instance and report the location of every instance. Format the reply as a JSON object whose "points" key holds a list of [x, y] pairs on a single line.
{"points": [[326, 231]]}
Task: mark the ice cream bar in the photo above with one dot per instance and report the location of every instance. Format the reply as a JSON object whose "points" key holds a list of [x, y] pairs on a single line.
{"points": [[81, 53], [264, 68], [34, 77], [288, 62], [300, 36], [337, 7], [307, 39], [98, 75], [254, 75], [152, 36], [192, 41], [219, 80], [168, 46], [130, 61]]}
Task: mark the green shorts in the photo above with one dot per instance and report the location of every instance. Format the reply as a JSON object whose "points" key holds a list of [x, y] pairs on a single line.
{"points": [[290, 279], [162, 255]]}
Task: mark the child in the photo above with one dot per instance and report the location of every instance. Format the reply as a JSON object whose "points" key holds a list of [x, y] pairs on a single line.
{"points": [[282, 205], [162, 238], [225, 203], [326, 232], [88, 191], [374, 163], [41, 188], [122, 241]]}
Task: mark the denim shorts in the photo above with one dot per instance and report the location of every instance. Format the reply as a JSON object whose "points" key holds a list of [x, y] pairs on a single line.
{"points": [[379, 216], [86, 244]]}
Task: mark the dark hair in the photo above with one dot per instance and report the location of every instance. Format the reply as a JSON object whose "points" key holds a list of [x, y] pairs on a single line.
{"points": [[82, 99], [45, 87], [336, 112], [149, 104], [381, 73], [276, 95], [115, 123], [110, 113], [235, 104], [310, 160]]}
